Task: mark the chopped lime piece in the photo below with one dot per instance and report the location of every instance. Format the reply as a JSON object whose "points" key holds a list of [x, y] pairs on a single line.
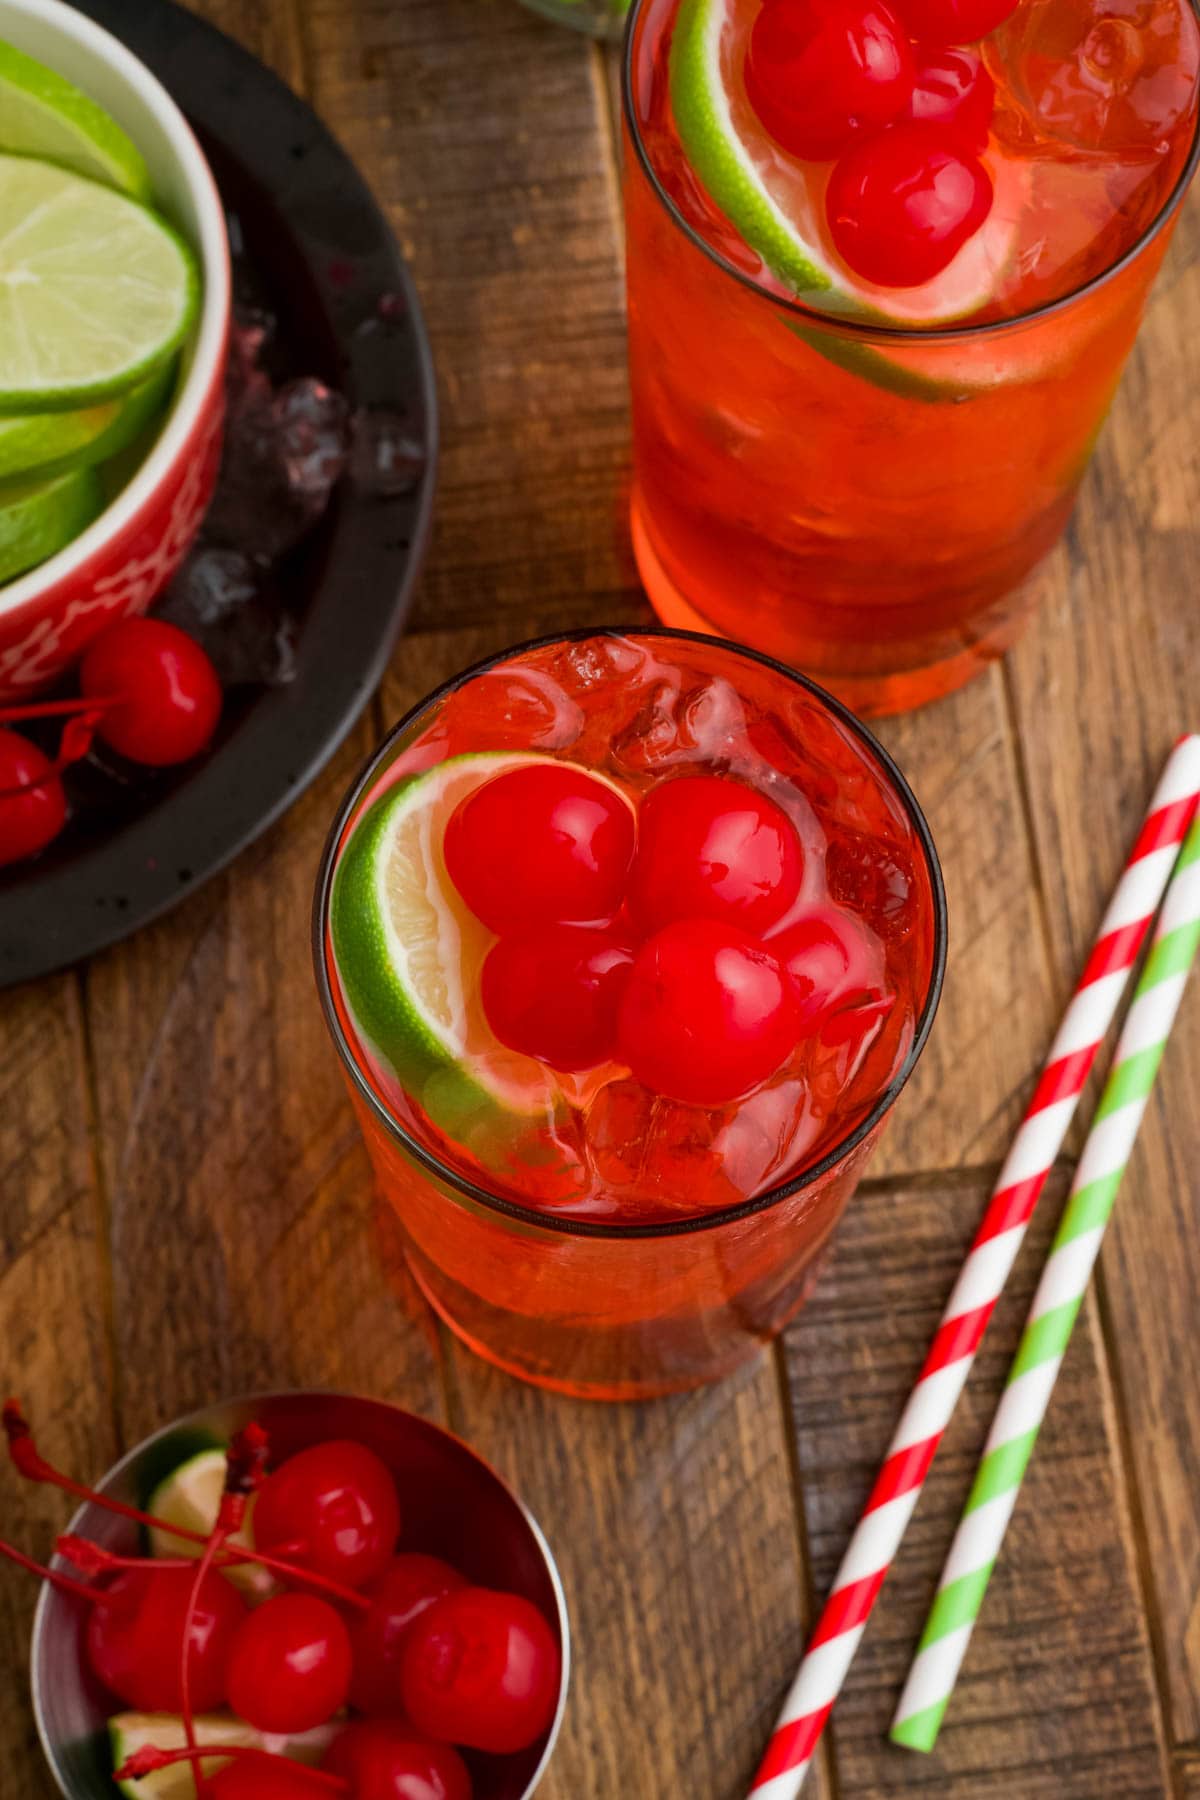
{"points": [[129, 1732], [47, 443], [43, 114], [95, 291], [39, 518], [190, 1496], [409, 953]]}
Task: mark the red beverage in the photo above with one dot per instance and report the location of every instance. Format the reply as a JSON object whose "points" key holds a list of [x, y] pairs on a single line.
{"points": [[628, 943], [859, 423]]}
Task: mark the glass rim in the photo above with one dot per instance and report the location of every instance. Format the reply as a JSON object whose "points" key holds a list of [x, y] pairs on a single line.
{"points": [[858, 328], [564, 1225]]}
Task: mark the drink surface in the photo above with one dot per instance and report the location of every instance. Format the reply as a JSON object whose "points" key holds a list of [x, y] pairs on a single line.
{"points": [[1088, 117], [651, 730]]}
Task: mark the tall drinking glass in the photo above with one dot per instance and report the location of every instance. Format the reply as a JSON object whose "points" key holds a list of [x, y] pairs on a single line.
{"points": [[580, 1229], [865, 501]]}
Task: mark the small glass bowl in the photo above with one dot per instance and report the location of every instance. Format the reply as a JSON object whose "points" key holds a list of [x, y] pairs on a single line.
{"points": [[600, 18], [454, 1506]]}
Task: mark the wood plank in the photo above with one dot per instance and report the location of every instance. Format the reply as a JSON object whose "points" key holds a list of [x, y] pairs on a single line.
{"points": [[242, 1213], [674, 1528], [1057, 1695], [965, 1099], [53, 1313], [1187, 1775], [1103, 683], [483, 135]]}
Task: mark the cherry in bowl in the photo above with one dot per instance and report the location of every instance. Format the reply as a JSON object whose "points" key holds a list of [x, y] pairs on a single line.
{"points": [[455, 1510]]}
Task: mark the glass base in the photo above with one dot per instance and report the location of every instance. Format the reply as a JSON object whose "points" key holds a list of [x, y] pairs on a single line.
{"points": [[871, 696]]}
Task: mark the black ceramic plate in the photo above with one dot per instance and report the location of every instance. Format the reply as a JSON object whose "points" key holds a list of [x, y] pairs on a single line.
{"points": [[319, 254]]}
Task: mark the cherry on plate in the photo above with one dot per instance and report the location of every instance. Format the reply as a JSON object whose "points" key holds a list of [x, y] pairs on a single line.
{"points": [[33, 818], [481, 1668], [820, 72], [953, 21], [554, 993], [710, 847], [407, 1588], [332, 1508], [953, 88], [134, 1638], [545, 844], [165, 692], [384, 1761], [902, 205], [708, 1013], [289, 1664]]}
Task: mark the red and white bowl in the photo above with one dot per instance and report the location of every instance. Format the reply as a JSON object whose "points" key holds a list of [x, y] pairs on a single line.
{"points": [[125, 558]]}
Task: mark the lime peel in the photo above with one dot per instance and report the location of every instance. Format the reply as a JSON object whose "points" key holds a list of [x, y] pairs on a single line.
{"points": [[42, 114]]}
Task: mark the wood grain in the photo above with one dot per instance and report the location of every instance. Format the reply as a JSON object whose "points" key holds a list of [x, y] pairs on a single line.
{"points": [[54, 1315], [1057, 1695], [1103, 684], [675, 1527], [483, 131]]}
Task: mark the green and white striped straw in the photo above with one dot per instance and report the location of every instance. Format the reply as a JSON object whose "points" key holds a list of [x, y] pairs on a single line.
{"points": [[1052, 1316]]}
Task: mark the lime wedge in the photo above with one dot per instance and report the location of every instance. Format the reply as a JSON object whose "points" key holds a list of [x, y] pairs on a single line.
{"points": [[409, 954], [190, 1496], [43, 114], [39, 518], [47, 443], [95, 291], [128, 1732], [777, 204]]}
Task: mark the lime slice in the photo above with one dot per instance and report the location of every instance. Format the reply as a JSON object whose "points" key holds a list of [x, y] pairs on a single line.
{"points": [[409, 954], [95, 291], [191, 1497], [43, 114], [777, 204], [38, 518], [128, 1732], [47, 443]]}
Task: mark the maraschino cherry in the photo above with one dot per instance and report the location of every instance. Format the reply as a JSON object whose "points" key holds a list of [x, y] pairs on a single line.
{"points": [[710, 847], [384, 1761], [331, 1508], [289, 1664], [408, 1587], [953, 21], [902, 205], [481, 1668], [163, 692], [540, 845], [821, 72], [953, 88], [33, 807], [707, 1014], [554, 993]]}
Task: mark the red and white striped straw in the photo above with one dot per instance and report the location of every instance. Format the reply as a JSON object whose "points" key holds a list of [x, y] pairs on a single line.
{"points": [[1038, 1141]]}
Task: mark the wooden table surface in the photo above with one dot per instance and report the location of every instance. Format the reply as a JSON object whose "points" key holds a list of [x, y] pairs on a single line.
{"points": [[185, 1207]]}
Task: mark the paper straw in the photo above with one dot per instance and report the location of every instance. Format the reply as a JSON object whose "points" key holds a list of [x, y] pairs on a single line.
{"points": [[1055, 1307], [1038, 1141]]}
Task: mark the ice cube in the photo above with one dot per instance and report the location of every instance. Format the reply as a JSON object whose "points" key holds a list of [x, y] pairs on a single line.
{"points": [[508, 706], [387, 459], [1117, 76], [702, 722], [223, 600], [283, 453]]}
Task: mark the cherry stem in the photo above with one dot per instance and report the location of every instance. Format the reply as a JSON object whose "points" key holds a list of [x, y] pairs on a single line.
{"points": [[203, 1791], [33, 1467], [149, 1760], [58, 709], [74, 744], [79, 1589]]}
